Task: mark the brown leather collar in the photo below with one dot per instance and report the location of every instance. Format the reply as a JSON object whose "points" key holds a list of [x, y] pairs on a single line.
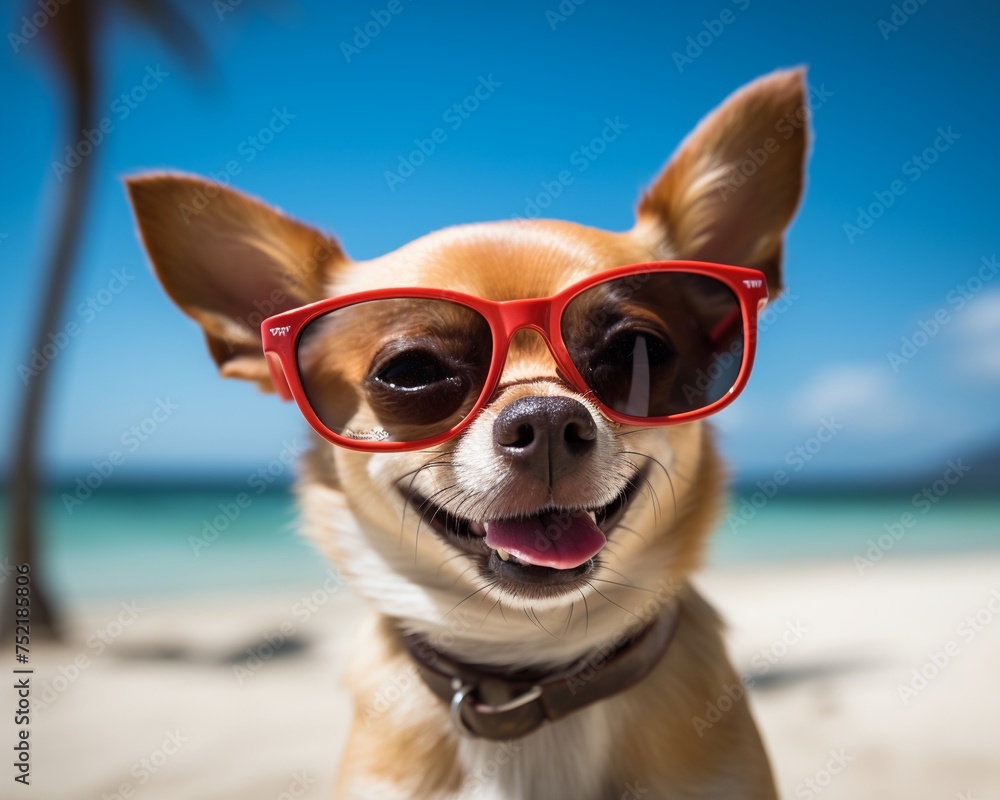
{"points": [[518, 703]]}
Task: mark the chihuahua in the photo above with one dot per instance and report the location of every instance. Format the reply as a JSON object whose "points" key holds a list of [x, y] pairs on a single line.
{"points": [[511, 462]]}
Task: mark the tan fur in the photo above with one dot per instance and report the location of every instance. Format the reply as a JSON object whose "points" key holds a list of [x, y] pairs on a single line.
{"points": [[234, 251]]}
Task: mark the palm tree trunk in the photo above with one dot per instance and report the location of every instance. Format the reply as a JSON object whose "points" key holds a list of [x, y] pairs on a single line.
{"points": [[25, 485]]}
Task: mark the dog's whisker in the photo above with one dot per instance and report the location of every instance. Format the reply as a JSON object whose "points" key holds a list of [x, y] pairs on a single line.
{"points": [[492, 508], [626, 585], [460, 508], [421, 507], [673, 494], [482, 600], [666, 472], [432, 463], [631, 613], [491, 608], [493, 585], [439, 507], [569, 618], [605, 566], [586, 608], [540, 625], [409, 488], [647, 457], [434, 500], [449, 560], [647, 489], [462, 574], [653, 499], [467, 597]]}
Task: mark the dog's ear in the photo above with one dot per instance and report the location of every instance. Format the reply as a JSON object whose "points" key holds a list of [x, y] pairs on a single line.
{"points": [[230, 261], [733, 185]]}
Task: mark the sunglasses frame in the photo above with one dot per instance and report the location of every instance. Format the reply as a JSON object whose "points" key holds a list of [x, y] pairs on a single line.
{"points": [[280, 334]]}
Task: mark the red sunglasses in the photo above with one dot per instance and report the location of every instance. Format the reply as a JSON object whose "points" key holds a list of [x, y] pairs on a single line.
{"points": [[405, 369]]}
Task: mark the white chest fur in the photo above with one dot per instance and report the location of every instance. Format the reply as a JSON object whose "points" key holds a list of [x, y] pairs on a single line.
{"points": [[567, 760]]}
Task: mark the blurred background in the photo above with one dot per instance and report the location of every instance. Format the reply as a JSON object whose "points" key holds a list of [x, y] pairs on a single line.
{"points": [[872, 411]]}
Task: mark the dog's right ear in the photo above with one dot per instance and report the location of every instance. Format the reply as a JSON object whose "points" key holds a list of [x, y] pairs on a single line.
{"points": [[731, 189], [230, 261]]}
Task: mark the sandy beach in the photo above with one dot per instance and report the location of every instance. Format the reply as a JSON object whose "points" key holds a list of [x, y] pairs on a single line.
{"points": [[881, 684]]}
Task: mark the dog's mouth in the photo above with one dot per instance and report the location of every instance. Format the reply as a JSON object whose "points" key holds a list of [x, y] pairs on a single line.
{"points": [[551, 550]]}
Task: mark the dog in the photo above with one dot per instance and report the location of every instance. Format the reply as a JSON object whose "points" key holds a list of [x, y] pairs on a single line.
{"points": [[505, 466]]}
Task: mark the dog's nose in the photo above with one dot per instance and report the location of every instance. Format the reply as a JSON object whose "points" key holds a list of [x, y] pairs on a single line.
{"points": [[545, 436]]}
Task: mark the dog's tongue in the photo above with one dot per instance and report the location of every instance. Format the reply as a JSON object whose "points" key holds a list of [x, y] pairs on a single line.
{"points": [[559, 539]]}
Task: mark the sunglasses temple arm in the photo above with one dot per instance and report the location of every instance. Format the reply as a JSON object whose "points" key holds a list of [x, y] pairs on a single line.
{"points": [[278, 379], [726, 324]]}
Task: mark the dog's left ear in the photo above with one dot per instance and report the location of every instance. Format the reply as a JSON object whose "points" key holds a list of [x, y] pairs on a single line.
{"points": [[731, 189], [230, 261]]}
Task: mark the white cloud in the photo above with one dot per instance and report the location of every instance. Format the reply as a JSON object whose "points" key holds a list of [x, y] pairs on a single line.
{"points": [[860, 395], [978, 338], [982, 316], [983, 362]]}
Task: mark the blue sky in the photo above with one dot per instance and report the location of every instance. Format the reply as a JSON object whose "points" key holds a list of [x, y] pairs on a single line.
{"points": [[884, 96]]}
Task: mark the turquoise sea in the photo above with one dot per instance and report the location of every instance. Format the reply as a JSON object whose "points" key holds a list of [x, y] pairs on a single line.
{"points": [[123, 543]]}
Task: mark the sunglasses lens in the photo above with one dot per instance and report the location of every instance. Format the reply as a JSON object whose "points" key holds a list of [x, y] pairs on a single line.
{"points": [[396, 370], [658, 343]]}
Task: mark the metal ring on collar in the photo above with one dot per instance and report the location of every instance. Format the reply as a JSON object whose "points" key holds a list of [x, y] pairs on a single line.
{"points": [[462, 690]]}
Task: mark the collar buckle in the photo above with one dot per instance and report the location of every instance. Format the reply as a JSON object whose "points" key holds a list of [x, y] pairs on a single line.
{"points": [[462, 692]]}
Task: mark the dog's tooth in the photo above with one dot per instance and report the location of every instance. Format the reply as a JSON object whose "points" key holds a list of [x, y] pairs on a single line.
{"points": [[503, 554]]}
